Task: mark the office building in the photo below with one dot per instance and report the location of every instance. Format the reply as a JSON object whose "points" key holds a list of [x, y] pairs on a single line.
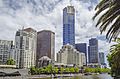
{"points": [[93, 51], [69, 25], [45, 45], [5, 47], [25, 48], [13, 53], [82, 47], [70, 56], [101, 58]]}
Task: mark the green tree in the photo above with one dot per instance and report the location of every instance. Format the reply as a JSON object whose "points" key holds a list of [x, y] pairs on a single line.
{"points": [[87, 70], [105, 70], [72, 70], [48, 69], [110, 19], [67, 70], [10, 62], [55, 70], [97, 70], [42, 70], [39, 71], [33, 71], [114, 58], [92, 70], [76, 69], [62, 70]]}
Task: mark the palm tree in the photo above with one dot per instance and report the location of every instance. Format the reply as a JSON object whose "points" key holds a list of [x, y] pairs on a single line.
{"points": [[110, 20], [114, 58]]}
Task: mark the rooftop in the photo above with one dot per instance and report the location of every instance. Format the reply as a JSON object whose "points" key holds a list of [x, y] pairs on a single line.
{"points": [[29, 29]]}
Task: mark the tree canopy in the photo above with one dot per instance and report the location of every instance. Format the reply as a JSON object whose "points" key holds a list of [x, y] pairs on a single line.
{"points": [[114, 58], [110, 20], [10, 62]]}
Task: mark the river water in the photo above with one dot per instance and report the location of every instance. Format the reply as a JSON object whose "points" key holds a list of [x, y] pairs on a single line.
{"points": [[101, 76]]}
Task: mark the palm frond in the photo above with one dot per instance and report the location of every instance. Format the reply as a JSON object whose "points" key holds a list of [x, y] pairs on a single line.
{"points": [[100, 9], [112, 14], [114, 31]]}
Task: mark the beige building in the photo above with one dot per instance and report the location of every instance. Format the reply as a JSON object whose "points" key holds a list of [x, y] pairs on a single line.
{"points": [[70, 56], [83, 58], [45, 45], [25, 48]]}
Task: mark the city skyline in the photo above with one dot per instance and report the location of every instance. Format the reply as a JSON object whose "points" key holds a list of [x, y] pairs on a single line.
{"points": [[50, 18], [59, 39], [45, 37]]}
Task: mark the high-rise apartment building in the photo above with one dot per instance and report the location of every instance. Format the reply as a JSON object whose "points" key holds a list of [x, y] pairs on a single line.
{"points": [[25, 48], [45, 45], [69, 25], [93, 50], [5, 47], [82, 47]]}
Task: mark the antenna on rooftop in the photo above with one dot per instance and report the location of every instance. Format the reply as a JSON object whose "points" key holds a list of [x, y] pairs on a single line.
{"points": [[23, 28], [70, 2]]}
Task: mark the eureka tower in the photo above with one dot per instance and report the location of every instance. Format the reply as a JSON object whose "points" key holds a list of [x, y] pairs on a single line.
{"points": [[69, 25]]}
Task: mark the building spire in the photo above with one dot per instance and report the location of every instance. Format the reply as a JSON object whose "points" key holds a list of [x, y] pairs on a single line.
{"points": [[23, 28], [70, 2]]}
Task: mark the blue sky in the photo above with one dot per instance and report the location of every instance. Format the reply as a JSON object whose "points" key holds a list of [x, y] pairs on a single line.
{"points": [[47, 14]]}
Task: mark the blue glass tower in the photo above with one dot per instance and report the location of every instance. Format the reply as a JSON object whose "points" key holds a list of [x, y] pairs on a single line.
{"points": [[69, 25]]}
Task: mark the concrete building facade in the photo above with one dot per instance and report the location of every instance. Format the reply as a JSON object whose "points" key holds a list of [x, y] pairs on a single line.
{"points": [[70, 56], [25, 48], [45, 45], [82, 47], [69, 25], [5, 47], [13, 53]]}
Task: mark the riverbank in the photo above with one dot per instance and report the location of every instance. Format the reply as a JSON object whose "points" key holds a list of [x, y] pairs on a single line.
{"points": [[64, 76], [40, 76], [55, 76]]}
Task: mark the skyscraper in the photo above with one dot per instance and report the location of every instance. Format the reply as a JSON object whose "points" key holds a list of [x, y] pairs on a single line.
{"points": [[82, 47], [45, 44], [69, 25], [25, 47], [101, 58], [12, 53], [93, 50], [5, 47]]}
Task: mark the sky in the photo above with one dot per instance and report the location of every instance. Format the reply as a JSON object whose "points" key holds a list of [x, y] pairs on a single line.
{"points": [[48, 15]]}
